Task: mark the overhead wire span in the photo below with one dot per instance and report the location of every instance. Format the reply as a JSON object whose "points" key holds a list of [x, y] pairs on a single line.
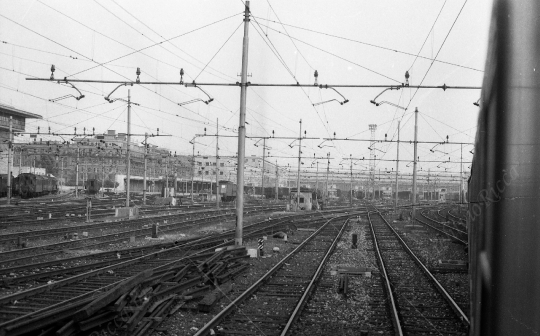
{"points": [[288, 70], [432, 26], [285, 29], [460, 132], [422, 115], [217, 52], [123, 44], [161, 46], [372, 45], [436, 55], [84, 110], [337, 56], [109, 61], [155, 44]]}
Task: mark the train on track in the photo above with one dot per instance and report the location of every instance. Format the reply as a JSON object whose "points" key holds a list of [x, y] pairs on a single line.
{"points": [[92, 186], [28, 185], [504, 211], [227, 190]]}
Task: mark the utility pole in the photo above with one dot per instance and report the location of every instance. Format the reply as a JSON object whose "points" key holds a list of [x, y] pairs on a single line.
{"points": [[20, 158], [62, 174], [166, 189], [397, 165], [128, 152], [217, 163], [144, 177], [77, 172], [317, 185], [262, 180], [372, 156], [277, 180], [461, 200], [415, 161], [351, 178], [192, 168], [299, 164], [242, 133], [102, 176], [325, 199], [10, 145]]}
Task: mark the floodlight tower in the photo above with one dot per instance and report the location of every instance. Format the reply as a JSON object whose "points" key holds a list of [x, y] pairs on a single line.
{"points": [[372, 128]]}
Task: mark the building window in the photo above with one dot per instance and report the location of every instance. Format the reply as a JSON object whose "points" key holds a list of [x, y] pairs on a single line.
{"points": [[207, 163], [220, 173], [206, 172], [221, 164]]}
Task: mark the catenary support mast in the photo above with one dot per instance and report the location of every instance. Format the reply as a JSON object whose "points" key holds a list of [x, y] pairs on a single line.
{"points": [[242, 133]]}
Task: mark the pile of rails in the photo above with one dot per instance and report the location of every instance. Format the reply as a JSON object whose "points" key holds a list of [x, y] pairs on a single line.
{"points": [[138, 305]]}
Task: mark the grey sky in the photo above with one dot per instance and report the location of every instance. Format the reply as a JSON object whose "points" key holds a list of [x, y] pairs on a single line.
{"points": [[347, 42]]}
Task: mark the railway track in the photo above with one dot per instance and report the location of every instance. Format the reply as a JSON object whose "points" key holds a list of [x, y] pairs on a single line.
{"points": [[449, 231], [10, 238], [272, 305], [38, 307], [58, 268], [31, 275], [25, 218], [419, 304], [172, 225]]}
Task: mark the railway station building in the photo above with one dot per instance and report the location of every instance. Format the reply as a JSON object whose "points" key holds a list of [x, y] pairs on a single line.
{"points": [[18, 122]]}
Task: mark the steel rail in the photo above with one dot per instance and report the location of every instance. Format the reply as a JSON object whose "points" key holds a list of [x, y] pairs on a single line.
{"points": [[248, 292], [139, 233], [393, 306], [442, 231], [307, 292], [16, 326], [13, 324], [455, 307], [443, 223], [457, 218], [70, 269], [53, 231]]}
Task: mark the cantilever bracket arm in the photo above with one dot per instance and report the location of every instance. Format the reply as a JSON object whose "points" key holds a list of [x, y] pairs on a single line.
{"points": [[190, 101], [392, 104], [210, 99], [373, 101], [320, 145], [327, 101], [124, 84], [81, 96], [345, 100]]}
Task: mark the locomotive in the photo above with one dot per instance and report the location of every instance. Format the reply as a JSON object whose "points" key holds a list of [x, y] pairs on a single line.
{"points": [[3, 185], [504, 234], [227, 190], [29, 185], [92, 186]]}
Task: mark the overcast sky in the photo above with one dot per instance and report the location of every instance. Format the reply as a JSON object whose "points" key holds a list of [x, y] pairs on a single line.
{"points": [[348, 42]]}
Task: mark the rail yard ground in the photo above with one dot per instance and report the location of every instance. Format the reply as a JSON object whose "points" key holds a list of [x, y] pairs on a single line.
{"points": [[320, 272]]}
